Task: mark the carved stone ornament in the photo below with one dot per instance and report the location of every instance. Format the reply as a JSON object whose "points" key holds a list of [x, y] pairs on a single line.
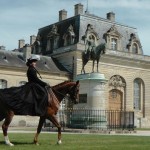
{"points": [[117, 81], [112, 32], [53, 32]]}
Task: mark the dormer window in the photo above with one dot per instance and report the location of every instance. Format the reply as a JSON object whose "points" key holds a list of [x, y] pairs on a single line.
{"points": [[113, 38], [134, 45], [90, 38], [69, 36]]}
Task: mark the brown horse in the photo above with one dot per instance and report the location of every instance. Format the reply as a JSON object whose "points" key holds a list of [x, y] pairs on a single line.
{"points": [[55, 96]]}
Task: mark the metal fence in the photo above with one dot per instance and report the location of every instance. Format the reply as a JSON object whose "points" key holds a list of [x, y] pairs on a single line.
{"points": [[95, 119]]}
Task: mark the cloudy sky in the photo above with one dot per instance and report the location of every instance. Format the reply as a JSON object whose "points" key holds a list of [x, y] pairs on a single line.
{"points": [[19, 19]]}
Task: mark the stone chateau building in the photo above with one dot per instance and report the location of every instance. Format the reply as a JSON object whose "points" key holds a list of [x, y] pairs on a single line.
{"points": [[61, 44]]}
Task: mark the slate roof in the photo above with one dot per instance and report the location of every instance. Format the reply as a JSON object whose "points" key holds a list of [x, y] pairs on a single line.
{"points": [[11, 59], [62, 29], [101, 26], [15, 60], [80, 22]]}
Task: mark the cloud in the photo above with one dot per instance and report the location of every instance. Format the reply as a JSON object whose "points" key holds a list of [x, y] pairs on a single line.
{"points": [[133, 4]]}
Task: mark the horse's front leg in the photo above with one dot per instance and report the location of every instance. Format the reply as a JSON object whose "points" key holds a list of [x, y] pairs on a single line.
{"points": [[41, 121], [55, 122], [5, 126], [97, 65], [93, 65], [83, 70]]}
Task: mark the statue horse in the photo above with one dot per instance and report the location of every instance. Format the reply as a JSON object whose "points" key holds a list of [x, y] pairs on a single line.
{"points": [[94, 55], [55, 96]]}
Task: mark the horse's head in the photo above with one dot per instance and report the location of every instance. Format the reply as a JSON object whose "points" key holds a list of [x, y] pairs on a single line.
{"points": [[74, 92]]}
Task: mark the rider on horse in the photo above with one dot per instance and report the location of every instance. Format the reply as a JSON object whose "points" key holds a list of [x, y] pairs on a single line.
{"points": [[38, 86]]}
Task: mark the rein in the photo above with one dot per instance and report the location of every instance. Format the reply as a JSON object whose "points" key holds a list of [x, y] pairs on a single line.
{"points": [[59, 92], [64, 95]]}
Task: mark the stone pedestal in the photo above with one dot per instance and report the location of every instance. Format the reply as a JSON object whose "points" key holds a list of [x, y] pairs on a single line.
{"points": [[93, 85], [90, 112]]}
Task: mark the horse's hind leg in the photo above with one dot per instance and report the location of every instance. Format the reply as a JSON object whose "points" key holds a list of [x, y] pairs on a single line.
{"points": [[55, 122], [5, 126]]}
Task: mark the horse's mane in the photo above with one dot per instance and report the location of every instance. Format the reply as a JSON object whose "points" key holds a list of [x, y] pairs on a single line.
{"points": [[62, 84]]}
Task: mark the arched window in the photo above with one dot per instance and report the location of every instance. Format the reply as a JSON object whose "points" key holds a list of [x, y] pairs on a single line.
{"points": [[114, 44], [134, 48], [3, 84], [22, 83], [138, 94]]}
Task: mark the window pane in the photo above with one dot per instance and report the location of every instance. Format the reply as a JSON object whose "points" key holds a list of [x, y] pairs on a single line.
{"points": [[137, 94], [114, 44]]}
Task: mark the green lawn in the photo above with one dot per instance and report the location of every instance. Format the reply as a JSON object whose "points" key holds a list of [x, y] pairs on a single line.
{"points": [[77, 142]]}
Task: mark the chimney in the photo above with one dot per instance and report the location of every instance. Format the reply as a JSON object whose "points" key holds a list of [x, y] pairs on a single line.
{"points": [[21, 43], [111, 16], [2, 48], [78, 9], [32, 39], [62, 15], [26, 52]]}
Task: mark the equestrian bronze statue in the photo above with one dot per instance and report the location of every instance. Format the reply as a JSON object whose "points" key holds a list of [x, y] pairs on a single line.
{"points": [[92, 53]]}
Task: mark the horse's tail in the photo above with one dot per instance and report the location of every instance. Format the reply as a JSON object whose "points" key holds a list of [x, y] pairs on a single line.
{"points": [[2, 112], [2, 116]]}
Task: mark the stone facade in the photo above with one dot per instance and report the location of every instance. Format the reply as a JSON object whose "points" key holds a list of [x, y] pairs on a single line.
{"points": [[124, 65]]}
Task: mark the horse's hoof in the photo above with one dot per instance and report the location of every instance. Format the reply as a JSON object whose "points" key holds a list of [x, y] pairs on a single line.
{"points": [[37, 144], [9, 144], [59, 142]]}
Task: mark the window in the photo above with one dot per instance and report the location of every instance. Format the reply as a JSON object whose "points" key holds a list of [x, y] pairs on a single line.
{"points": [[114, 44], [3, 84], [83, 98], [22, 83], [134, 49], [138, 93]]}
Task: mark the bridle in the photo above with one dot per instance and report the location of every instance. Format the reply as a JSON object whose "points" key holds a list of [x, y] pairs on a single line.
{"points": [[69, 94]]}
